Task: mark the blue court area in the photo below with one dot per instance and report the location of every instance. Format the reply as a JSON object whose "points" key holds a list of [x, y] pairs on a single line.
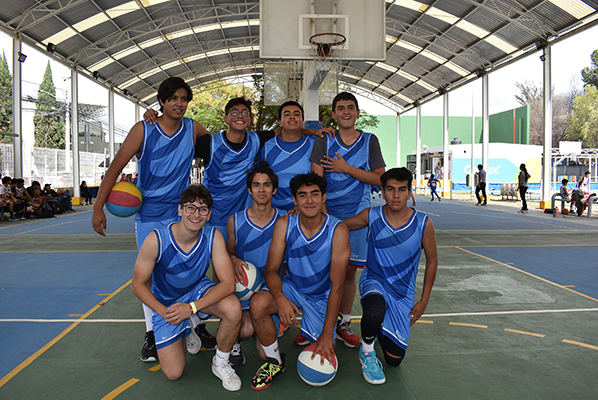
{"points": [[512, 315]]}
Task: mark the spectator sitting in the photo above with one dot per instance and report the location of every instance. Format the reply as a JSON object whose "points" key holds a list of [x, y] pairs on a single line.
{"points": [[7, 198], [565, 194], [36, 193], [85, 193], [62, 200]]}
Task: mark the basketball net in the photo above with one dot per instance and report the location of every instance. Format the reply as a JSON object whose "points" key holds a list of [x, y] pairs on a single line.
{"points": [[327, 50]]}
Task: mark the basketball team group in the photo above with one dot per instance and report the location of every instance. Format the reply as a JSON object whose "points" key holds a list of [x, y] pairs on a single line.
{"points": [[294, 203]]}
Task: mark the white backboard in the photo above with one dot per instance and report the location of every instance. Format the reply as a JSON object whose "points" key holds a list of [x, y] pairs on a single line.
{"points": [[287, 25]]}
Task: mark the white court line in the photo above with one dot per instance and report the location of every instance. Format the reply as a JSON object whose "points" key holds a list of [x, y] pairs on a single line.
{"points": [[510, 312], [355, 317]]}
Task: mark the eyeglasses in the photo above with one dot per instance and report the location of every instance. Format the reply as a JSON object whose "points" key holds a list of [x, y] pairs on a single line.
{"points": [[190, 209], [235, 113]]}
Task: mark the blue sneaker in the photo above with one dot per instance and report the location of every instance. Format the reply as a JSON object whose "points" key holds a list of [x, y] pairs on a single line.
{"points": [[371, 367]]}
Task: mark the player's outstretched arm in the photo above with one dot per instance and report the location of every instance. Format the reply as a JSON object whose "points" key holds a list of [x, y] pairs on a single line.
{"points": [[431, 252], [130, 147], [142, 274], [358, 221], [286, 308], [341, 251]]}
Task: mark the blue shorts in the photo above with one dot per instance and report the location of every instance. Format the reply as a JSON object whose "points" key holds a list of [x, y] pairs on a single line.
{"points": [[396, 319], [142, 229], [359, 247], [165, 333], [313, 309]]}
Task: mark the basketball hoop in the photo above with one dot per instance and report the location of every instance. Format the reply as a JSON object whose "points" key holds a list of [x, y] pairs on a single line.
{"points": [[328, 45]]}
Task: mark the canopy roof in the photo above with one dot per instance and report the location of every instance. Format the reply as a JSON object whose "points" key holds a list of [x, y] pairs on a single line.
{"points": [[431, 45]]}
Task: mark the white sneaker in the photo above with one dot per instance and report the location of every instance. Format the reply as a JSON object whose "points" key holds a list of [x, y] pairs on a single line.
{"points": [[228, 376], [193, 342]]}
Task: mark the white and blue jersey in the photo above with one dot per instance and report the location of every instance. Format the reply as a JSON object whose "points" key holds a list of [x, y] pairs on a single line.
{"points": [[391, 269], [164, 168], [287, 159], [347, 196], [226, 174], [309, 259], [179, 276], [253, 242]]}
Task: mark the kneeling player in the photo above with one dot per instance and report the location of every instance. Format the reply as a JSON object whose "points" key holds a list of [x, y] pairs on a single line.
{"points": [[396, 236], [174, 261], [249, 237], [317, 246]]}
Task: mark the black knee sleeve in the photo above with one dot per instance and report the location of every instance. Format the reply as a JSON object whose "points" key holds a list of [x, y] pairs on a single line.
{"points": [[393, 353], [374, 308]]}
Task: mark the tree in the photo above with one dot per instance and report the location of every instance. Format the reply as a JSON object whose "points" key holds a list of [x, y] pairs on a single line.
{"points": [[5, 100], [48, 119], [208, 103], [589, 75], [532, 95], [583, 120]]}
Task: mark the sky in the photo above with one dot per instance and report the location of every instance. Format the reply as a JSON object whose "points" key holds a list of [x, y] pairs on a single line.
{"points": [[569, 57]]}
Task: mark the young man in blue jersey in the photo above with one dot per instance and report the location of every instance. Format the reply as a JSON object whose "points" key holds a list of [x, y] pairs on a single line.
{"points": [[164, 157], [288, 153], [433, 184], [351, 162], [396, 236], [249, 237], [173, 261], [317, 253]]}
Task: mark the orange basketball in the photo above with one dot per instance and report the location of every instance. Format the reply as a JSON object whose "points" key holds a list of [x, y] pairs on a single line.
{"points": [[565, 211], [60, 192]]}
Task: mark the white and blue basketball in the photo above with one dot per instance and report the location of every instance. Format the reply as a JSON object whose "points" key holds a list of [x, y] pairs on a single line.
{"points": [[311, 371], [250, 283]]}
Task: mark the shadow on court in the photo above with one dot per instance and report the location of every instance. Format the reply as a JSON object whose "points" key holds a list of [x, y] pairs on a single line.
{"points": [[513, 314]]}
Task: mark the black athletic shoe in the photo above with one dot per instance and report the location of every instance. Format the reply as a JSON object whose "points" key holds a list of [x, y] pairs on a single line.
{"points": [[208, 341], [237, 358], [149, 352]]}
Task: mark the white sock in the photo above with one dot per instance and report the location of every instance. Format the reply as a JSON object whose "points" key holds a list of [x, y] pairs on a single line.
{"points": [[367, 348], [221, 356], [147, 314], [345, 317], [272, 352]]}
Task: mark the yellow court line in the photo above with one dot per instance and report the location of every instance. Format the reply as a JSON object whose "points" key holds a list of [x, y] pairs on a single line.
{"points": [[470, 325], [525, 333], [68, 251], [520, 245], [75, 315], [120, 389], [528, 273], [156, 368], [44, 227], [52, 342], [569, 286], [423, 321], [589, 346], [103, 294]]}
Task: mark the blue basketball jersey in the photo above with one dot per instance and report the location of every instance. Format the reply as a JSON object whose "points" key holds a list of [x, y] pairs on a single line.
{"points": [[345, 195], [308, 259], [287, 159], [226, 174], [164, 168], [393, 254], [253, 242], [176, 273]]}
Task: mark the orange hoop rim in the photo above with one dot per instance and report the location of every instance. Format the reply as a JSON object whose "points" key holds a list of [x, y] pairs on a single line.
{"points": [[339, 39]]}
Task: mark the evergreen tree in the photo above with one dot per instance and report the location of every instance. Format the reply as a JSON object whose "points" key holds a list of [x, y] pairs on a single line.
{"points": [[5, 100], [48, 120], [589, 75]]}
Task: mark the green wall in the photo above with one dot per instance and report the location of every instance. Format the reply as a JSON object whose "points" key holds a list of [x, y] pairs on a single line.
{"points": [[511, 126]]}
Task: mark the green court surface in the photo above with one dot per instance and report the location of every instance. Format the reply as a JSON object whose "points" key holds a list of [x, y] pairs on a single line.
{"points": [[513, 314]]}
